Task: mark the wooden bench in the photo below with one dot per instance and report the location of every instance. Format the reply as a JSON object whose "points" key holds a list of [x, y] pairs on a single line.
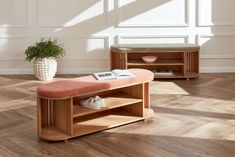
{"points": [[60, 117]]}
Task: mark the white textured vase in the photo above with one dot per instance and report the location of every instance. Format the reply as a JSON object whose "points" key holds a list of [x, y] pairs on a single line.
{"points": [[45, 68]]}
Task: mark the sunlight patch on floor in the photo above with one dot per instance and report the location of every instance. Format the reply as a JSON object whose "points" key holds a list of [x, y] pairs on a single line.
{"points": [[158, 87], [183, 126], [193, 103]]}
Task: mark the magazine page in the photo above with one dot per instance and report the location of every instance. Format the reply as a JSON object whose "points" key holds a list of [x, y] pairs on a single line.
{"points": [[104, 76], [122, 73]]}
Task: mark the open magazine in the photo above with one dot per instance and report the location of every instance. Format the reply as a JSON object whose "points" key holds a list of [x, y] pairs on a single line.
{"points": [[114, 74]]}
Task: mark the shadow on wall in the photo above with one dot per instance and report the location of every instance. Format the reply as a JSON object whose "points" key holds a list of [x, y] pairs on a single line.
{"points": [[135, 8], [84, 16]]}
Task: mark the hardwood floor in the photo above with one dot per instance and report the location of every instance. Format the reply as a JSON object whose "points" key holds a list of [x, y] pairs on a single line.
{"points": [[192, 118]]}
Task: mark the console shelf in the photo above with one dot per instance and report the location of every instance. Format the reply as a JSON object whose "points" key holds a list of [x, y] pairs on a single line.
{"points": [[159, 62], [181, 59]]}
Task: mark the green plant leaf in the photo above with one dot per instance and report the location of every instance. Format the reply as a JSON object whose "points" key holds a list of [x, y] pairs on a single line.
{"points": [[45, 49]]}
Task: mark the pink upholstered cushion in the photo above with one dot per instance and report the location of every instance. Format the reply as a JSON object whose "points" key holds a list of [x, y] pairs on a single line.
{"points": [[87, 84]]}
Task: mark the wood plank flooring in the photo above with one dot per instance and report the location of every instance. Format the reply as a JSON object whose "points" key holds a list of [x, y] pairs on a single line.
{"points": [[194, 118]]}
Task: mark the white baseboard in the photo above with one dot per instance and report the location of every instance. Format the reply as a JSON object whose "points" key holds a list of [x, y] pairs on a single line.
{"points": [[15, 71], [60, 71], [217, 69], [93, 70], [80, 71]]}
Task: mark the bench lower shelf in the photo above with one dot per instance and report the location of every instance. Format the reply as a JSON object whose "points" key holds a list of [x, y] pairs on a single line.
{"points": [[94, 125]]}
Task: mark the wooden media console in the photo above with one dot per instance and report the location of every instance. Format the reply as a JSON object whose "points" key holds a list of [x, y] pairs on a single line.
{"points": [[181, 59]]}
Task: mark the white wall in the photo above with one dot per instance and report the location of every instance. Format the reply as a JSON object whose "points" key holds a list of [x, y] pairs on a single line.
{"points": [[88, 27]]}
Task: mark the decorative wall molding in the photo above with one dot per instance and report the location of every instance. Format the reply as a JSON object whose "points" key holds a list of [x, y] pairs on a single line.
{"points": [[119, 24], [185, 38], [209, 24], [105, 12], [17, 57], [217, 69], [27, 23], [59, 71], [93, 70], [81, 70], [16, 71], [105, 51], [109, 28], [215, 55]]}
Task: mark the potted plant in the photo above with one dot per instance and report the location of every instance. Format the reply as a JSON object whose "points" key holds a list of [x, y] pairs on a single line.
{"points": [[44, 55]]}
